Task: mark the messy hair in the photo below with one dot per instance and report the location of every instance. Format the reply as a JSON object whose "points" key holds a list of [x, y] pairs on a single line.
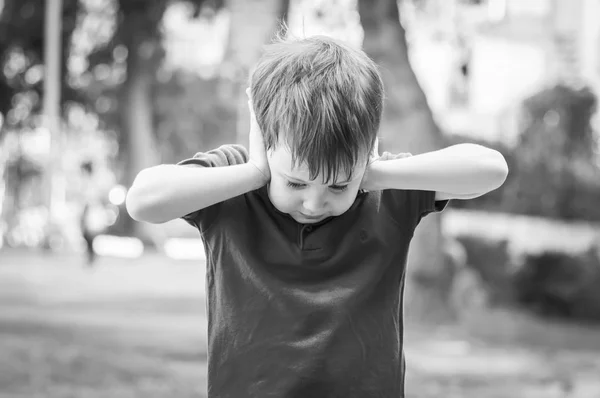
{"points": [[323, 98]]}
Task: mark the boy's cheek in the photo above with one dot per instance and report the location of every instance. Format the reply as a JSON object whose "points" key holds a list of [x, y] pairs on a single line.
{"points": [[277, 191]]}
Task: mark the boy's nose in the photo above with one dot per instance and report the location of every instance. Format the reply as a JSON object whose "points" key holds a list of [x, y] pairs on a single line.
{"points": [[314, 203]]}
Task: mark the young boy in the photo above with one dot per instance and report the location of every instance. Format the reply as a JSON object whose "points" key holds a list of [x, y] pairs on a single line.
{"points": [[307, 234]]}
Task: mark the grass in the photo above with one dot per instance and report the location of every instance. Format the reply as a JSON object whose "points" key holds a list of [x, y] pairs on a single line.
{"points": [[124, 329], [137, 328]]}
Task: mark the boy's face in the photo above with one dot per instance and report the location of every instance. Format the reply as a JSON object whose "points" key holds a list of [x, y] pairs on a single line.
{"points": [[291, 190]]}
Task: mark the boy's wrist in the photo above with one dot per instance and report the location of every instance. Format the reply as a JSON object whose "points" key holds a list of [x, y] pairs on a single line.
{"points": [[373, 181], [377, 174], [387, 173]]}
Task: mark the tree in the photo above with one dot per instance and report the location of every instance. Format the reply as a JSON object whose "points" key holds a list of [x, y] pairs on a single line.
{"points": [[138, 39], [408, 126], [22, 53], [132, 55], [51, 111], [555, 168], [253, 24], [22, 39]]}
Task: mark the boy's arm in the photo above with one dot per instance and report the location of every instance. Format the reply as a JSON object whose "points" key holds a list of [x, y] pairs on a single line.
{"points": [[166, 192], [462, 171]]}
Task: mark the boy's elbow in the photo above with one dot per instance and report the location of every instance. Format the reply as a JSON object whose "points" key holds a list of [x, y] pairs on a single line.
{"points": [[499, 169], [133, 206], [142, 212], [140, 204]]}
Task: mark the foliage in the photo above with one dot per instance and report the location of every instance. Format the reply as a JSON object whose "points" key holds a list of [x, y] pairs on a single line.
{"points": [[553, 171], [191, 114], [22, 53], [551, 283], [561, 284], [22, 57], [138, 28], [555, 157]]}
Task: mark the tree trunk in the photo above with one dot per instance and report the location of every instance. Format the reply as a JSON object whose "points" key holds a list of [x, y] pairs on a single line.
{"points": [[408, 126], [253, 24], [54, 178], [136, 103]]}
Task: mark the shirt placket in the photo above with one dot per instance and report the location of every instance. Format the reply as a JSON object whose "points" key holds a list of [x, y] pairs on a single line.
{"points": [[303, 230]]}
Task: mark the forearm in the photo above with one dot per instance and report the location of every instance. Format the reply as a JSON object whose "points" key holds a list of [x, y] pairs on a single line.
{"points": [[167, 192], [462, 169]]}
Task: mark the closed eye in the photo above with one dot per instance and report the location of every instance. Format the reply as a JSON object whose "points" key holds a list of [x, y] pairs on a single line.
{"points": [[339, 188], [295, 185]]}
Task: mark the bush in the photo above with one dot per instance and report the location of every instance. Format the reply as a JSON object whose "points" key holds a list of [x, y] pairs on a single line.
{"points": [[560, 284], [491, 261], [552, 170]]}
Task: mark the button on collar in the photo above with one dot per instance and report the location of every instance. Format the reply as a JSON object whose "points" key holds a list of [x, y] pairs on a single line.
{"points": [[364, 235]]}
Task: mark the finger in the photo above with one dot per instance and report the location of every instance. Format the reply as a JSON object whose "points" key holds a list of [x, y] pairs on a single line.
{"points": [[251, 108], [253, 122], [375, 153], [250, 102]]}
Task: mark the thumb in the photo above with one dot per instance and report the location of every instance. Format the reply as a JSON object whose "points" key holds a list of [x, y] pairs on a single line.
{"points": [[376, 148], [374, 155]]}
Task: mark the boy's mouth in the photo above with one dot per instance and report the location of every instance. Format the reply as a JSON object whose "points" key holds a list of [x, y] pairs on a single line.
{"points": [[312, 218]]}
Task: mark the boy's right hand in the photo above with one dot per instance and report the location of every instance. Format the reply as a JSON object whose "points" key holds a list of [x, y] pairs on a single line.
{"points": [[258, 151]]}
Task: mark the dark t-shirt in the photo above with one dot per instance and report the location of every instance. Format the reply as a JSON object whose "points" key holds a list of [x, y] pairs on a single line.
{"points": [[298, 311]]}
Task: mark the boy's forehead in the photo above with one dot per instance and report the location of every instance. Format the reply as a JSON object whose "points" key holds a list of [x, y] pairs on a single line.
{"points": [[281, 161]]}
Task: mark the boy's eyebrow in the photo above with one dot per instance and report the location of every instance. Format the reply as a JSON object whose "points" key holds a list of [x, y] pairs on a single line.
{"points": [[304, 182]]}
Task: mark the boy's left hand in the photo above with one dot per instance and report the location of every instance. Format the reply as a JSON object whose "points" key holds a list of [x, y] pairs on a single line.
{"points": [[369, 181]]}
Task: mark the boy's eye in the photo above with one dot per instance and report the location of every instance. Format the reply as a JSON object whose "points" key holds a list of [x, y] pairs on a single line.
{"points": [[294, 185], [339, 188]]}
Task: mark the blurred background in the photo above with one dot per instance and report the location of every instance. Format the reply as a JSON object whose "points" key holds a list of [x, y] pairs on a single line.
{"points": [[502, 297]]}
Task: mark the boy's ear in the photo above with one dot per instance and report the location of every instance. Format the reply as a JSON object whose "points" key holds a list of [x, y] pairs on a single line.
{"points": [[249, 93]]}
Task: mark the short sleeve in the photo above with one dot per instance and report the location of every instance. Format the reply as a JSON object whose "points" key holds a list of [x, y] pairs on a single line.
{"points": [[408, 207], [225, 155], [428, 204]]}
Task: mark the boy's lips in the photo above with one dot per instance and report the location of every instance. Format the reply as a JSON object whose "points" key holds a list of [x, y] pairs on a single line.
{"points": [[311, 217]]}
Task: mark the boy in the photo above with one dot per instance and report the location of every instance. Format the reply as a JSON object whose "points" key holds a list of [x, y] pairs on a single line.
{"points": [[306, 236]]}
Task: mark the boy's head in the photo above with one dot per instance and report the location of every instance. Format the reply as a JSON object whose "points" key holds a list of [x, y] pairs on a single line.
{"points": [[318, 103]]}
